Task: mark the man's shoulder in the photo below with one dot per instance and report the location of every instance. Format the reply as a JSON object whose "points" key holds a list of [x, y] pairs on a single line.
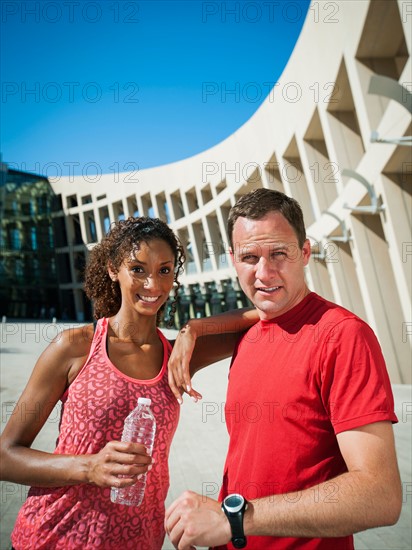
{"points": [[332, 310], [338, 321]]}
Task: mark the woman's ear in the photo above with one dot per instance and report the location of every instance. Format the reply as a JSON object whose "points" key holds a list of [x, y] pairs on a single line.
{"points": [[112, 273]]}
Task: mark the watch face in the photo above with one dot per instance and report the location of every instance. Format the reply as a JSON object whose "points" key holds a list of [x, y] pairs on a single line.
{"points": [[234, 503]]}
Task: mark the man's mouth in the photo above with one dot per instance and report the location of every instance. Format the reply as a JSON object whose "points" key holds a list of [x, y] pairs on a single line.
{"points": [[268, 290], [149, 299]]}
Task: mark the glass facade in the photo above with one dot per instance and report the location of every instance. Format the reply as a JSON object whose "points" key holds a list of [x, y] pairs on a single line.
{"points": [[29, 282]]}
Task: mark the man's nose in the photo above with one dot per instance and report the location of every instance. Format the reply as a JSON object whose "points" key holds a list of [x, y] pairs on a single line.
{"points": [[264, 269]]}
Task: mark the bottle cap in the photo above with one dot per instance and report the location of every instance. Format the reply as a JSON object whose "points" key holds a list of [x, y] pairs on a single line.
{"points": [[144, 401]]}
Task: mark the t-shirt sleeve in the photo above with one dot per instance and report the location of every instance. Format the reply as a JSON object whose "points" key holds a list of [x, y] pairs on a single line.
{"points": [[355, 386]]}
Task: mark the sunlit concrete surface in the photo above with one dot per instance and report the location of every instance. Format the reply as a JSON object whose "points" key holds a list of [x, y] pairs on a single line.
{"points": [[200, 443]]}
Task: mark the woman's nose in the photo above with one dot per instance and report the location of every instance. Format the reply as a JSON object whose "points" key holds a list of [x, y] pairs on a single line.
{"points": [[150, 282]]}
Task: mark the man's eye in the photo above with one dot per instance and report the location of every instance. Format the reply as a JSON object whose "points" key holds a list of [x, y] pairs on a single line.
{"points": [[249, 258]]}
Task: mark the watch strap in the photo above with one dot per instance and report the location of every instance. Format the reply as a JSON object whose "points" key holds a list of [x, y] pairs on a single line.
{"points": [[236, 525]]}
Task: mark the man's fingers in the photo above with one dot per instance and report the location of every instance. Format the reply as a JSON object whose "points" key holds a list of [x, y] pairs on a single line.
{"points": [[170, 517], [173, 528], [179, 537]]}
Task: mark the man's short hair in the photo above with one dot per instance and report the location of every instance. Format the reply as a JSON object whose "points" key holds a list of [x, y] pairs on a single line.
{"points": [[259, 202]]}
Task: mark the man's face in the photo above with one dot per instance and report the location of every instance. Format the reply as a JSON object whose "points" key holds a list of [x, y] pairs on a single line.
{"points": [[269, 263]]}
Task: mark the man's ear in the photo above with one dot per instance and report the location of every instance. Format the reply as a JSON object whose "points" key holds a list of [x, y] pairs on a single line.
{"points": [[306, 252]]}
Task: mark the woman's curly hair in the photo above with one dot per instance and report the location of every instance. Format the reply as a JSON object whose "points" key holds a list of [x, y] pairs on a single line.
{"points": [[123, 239]]}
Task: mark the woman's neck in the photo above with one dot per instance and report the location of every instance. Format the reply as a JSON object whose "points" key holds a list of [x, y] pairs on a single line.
{"points": [[133, 328]]}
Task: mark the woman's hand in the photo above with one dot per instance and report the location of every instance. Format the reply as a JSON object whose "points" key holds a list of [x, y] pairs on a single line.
{"points": [[215, 338], [118, 464], [179, 364]]}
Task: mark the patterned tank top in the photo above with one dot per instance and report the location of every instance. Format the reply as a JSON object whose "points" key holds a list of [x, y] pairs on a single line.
{"points": [[94, 408]]}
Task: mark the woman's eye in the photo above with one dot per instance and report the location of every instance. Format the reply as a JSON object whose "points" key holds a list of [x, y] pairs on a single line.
{"points": [[137, 269], [165, 270]]}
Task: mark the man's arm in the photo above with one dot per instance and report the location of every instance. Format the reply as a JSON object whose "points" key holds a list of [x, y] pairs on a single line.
{"points": [[368, 495]]}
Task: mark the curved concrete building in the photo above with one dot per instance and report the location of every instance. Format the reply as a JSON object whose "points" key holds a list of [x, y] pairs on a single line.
{"points": [[333, 133]]}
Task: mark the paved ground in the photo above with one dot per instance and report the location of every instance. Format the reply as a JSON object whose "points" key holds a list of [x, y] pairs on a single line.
{"points": [[200, 443]]}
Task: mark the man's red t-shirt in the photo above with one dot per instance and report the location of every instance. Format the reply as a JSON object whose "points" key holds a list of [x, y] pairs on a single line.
{"points": [[295, 382]]}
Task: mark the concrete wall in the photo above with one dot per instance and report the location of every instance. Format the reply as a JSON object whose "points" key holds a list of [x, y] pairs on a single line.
{"points": [[311, 138]]}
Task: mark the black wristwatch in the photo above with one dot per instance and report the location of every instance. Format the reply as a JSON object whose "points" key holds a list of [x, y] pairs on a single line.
{"points": [[234, 507]]}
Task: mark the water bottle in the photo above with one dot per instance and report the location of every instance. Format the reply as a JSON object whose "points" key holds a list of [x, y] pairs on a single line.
{"points": [[139, 427]]}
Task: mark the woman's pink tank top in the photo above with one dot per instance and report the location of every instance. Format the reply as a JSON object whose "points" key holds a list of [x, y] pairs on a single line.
{"points": [[94, 408]]}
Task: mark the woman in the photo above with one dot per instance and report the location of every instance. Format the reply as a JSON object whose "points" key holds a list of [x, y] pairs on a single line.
{"points": [[98, 372]]}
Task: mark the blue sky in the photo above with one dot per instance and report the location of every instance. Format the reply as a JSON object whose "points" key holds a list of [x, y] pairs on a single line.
{"points": [[92, 87]]}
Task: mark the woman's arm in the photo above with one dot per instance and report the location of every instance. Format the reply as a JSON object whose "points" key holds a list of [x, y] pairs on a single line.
{"points": [[202, 342], [21, 464]]}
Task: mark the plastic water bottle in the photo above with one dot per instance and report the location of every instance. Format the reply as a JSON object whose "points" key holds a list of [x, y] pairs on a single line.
{"points": [[139, 427]]}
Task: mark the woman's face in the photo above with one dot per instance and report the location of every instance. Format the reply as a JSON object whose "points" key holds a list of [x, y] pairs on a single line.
{"points": [[146, 277]]}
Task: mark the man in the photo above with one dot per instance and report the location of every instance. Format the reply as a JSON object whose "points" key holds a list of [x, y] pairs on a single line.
{"points": [[309, 408]]}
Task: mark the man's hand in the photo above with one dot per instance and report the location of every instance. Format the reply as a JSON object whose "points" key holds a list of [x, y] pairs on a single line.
{"points": [[179, 361], [195, 519]]}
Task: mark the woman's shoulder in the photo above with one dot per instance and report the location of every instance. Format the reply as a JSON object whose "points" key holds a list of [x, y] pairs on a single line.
{"points": [[75, 341]]}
